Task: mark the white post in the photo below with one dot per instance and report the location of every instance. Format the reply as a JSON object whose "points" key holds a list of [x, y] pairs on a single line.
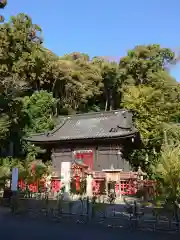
{"points": [[14, 188], [14, 181], [65, 174], [89, 191]]}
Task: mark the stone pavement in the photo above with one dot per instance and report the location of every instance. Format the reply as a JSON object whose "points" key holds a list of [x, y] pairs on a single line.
{"points": [[22, 227], [3, 212]]}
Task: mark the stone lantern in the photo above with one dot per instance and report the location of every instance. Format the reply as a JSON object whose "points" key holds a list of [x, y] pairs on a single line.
{"points": [[140, 174]]}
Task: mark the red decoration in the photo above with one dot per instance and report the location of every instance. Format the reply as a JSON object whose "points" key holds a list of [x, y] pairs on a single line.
{"points": [[55, 185], [131, 187], [93, 184], [77, 183], [22, 185], [117, 188], [97, 189], [96, 186], [86, 157], [33, 187], [125, 187]]}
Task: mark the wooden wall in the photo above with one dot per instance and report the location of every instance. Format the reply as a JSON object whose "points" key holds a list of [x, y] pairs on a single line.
{"points": [[110, 157], [105, 157]]}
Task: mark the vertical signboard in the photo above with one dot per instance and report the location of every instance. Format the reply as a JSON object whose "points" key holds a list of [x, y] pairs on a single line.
{"points": [[66, 176], [14, 181], [65, 171]]}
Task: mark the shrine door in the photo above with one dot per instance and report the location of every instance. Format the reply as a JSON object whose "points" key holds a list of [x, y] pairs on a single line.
{"points": [[86, 157]]}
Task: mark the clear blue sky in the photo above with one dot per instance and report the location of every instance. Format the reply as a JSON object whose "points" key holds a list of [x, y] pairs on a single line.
{"points": [[103, 27]]}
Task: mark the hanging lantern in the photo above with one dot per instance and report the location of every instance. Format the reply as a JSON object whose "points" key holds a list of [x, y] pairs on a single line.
{"points": [[1, 19], [3, 3]]}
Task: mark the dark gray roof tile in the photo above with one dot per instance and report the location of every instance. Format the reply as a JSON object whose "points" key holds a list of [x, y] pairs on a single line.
{"points": [[92, 125]]}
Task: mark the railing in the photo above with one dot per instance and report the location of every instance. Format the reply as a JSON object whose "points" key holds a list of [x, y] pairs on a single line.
{"points": [[55, 186], [128, 187]]}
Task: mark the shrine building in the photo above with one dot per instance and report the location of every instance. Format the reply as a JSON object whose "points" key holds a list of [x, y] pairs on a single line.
{"points": [[96, 141]]}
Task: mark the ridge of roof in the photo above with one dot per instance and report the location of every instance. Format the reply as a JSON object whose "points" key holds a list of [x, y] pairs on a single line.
{"points": [[106, 113], [65, 118], [77, 118]]}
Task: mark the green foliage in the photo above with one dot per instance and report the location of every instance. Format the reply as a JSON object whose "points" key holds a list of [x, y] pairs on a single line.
{"points": [[5, 168], [143, 61], [29, 171], [37, 86], [36, 170], [111, 84], [18, 53], [167, 173], [39, 108], [79, 81], [153, 96], [6, 165]]}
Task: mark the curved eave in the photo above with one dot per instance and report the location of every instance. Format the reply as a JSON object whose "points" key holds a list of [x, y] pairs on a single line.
{"points": [[48, 140]]}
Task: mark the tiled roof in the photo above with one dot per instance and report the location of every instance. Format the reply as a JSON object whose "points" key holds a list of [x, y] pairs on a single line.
{"points": [[89, 126]]}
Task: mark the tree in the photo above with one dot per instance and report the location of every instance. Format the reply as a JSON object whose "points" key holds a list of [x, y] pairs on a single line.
{"points": [[23, 64], [167, 173], [153, 112], [75, 55], [111, 84], [39, 108], [21, 54], [11, 116], [142, 61], [153, 96], [77, 82], [3, 4], [36, 85]]}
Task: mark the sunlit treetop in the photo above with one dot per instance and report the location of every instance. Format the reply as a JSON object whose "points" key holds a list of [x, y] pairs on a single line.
{"points": [[3, 4]]}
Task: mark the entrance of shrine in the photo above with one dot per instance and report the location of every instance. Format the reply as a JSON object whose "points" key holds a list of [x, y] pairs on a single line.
{"points": [[79, 173]]}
